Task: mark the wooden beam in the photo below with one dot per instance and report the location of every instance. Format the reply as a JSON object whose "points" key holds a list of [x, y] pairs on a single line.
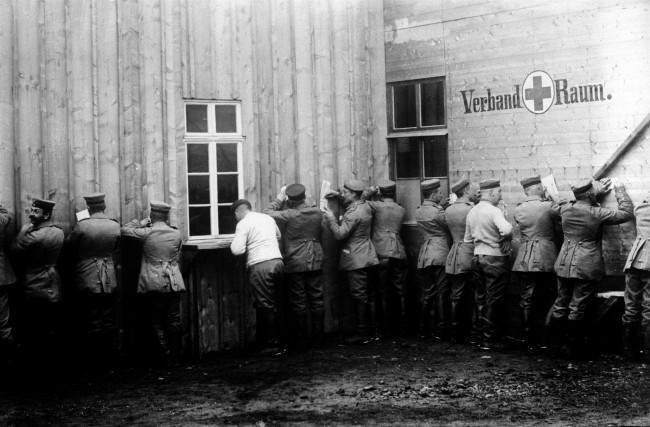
{"points": [[629, 142]]}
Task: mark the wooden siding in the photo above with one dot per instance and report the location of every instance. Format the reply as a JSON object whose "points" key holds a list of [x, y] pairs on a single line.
{"points": [[91, 96], [479, 44]]}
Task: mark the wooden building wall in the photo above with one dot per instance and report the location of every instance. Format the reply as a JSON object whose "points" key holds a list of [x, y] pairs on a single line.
{"points": [[92, 92], [480, 44]]}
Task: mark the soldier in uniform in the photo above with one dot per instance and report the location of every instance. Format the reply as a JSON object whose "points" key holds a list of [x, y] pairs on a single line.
{"points": [[636, 318], [537, 220], [432, 258], [160, 281], [491, 233], [357, 254], [579, 265], [303, 259], [7, 278], [37, 249], [392, 269], [93, 243], [458, 267]]}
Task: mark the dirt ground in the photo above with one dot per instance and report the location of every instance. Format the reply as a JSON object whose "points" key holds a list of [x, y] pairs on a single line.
{"points": [[384, 382]]}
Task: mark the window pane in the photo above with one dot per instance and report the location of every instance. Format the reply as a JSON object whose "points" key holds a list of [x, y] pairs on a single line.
{"points": [[226, 157], [406, 159], [404, 106], [226, 118], [227, 188], [198, 189], [196, 117], [435, 156], [433, 103], [227, 222], [197, 158], [200, 221]]}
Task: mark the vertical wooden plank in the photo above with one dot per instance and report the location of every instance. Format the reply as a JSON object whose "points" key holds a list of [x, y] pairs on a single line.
{"points": [[108, 85], [55, 108], [358, 69], [130, 96], [304, 96], [222, 45], [150, 100], [201, 41], [342, 88], [80, 90], [27, 86], [7, 187]]}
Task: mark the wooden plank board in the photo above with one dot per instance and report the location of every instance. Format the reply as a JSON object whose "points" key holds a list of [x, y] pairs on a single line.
{"points": [[7, 150]]}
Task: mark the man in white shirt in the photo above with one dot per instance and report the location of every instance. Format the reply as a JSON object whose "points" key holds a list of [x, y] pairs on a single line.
{"points": [[257, 235], [491, 234]]}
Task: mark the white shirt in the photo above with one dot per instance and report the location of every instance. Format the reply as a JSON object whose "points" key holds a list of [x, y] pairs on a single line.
{"points": [[258, 234], [487, 227]]}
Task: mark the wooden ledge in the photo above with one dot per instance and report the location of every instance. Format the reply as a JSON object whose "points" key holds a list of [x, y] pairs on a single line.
{"points": [[208, 244]]}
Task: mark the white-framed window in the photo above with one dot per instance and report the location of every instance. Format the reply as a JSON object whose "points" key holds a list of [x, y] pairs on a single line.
{"points": [[213, 144]]}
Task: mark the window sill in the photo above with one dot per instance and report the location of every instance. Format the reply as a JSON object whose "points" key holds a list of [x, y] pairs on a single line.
{"points": [[208, 244], [419, 132]]}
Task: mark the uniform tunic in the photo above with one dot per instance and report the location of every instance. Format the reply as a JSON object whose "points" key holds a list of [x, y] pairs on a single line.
{"points": [[161, 249], [430, 217], [94, 242], [7, 277], [536, 219], [386, 225], [637, 271], [460, 256], [581, 254], [38, 247], [358, 250]]}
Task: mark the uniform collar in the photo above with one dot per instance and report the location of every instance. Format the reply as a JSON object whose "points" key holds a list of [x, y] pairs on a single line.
{"points": [[533, 197], [99, 215], [44, 224]]}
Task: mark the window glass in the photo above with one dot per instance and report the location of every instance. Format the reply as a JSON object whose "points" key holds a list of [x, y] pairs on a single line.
{"points": [[227, 188], [432, 103], [226, 157], [407, 158], [197, 158], [198, 188], [196, 117], [404, 108], [200, 221], [227, 222], [435, 156], [225, 118]]}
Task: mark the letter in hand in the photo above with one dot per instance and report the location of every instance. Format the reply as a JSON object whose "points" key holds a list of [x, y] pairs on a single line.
{"points": [[282, 195], [146, 222], [602, 186]]}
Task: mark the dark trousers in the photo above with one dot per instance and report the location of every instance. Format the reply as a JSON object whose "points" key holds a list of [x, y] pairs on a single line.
{"points": [[434, 292], [492, 274], [38, 329], [462, 303], [97, 335], [536, 294], [6, 332], [637, 297], [364, 294], [305, 297], [573, 297], [165, 317], [266, 279], [391, 275]]}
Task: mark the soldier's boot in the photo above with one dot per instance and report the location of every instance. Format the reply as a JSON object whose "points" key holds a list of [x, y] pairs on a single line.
{"points": [[317, 327], [384, 324], [576, 340], [360, 335], [556, 336], [163, 348], [403, 321], [631, 341], [373, 329], [272, 346], [175, 346], [424, 323], [302, 331], [456, 324], [645, 335], [530, 344], [443, 314]]}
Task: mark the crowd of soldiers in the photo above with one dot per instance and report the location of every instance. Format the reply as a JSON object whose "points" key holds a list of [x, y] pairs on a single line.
{"points": [[32, 261], [463, 265]]}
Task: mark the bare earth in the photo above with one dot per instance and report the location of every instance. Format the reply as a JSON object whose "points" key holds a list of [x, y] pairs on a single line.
{"points": [[385, 382]]}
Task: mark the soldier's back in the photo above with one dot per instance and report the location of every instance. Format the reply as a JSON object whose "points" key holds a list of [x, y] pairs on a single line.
{"points": [[98, 236]]}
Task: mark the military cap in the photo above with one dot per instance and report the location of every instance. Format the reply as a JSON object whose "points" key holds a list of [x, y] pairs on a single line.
{"points": [[160, 207], [295, 192], [459, 185], [489, 183], [46, 205], [531, 180], [430, 184], [96, 199], [355, 185], [238, 203], [386, 185], [581, 188]]}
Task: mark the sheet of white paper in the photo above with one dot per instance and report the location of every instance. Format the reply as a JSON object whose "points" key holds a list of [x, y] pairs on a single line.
{"points": [[452, 197], [83, 214], [325, 188], [548, 182]]}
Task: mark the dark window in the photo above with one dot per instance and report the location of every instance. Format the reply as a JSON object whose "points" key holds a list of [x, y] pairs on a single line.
{"points": [[227, 220], [198, 187], [435, 156], [416, 105], [197, 158], [407, 158], [200, 221], [226, 157], [196, 117], [227, 188], [419, 157], [225, 118]]}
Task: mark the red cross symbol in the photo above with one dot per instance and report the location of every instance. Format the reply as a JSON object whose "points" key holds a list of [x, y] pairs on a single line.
{"points": [[538, 93]]}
